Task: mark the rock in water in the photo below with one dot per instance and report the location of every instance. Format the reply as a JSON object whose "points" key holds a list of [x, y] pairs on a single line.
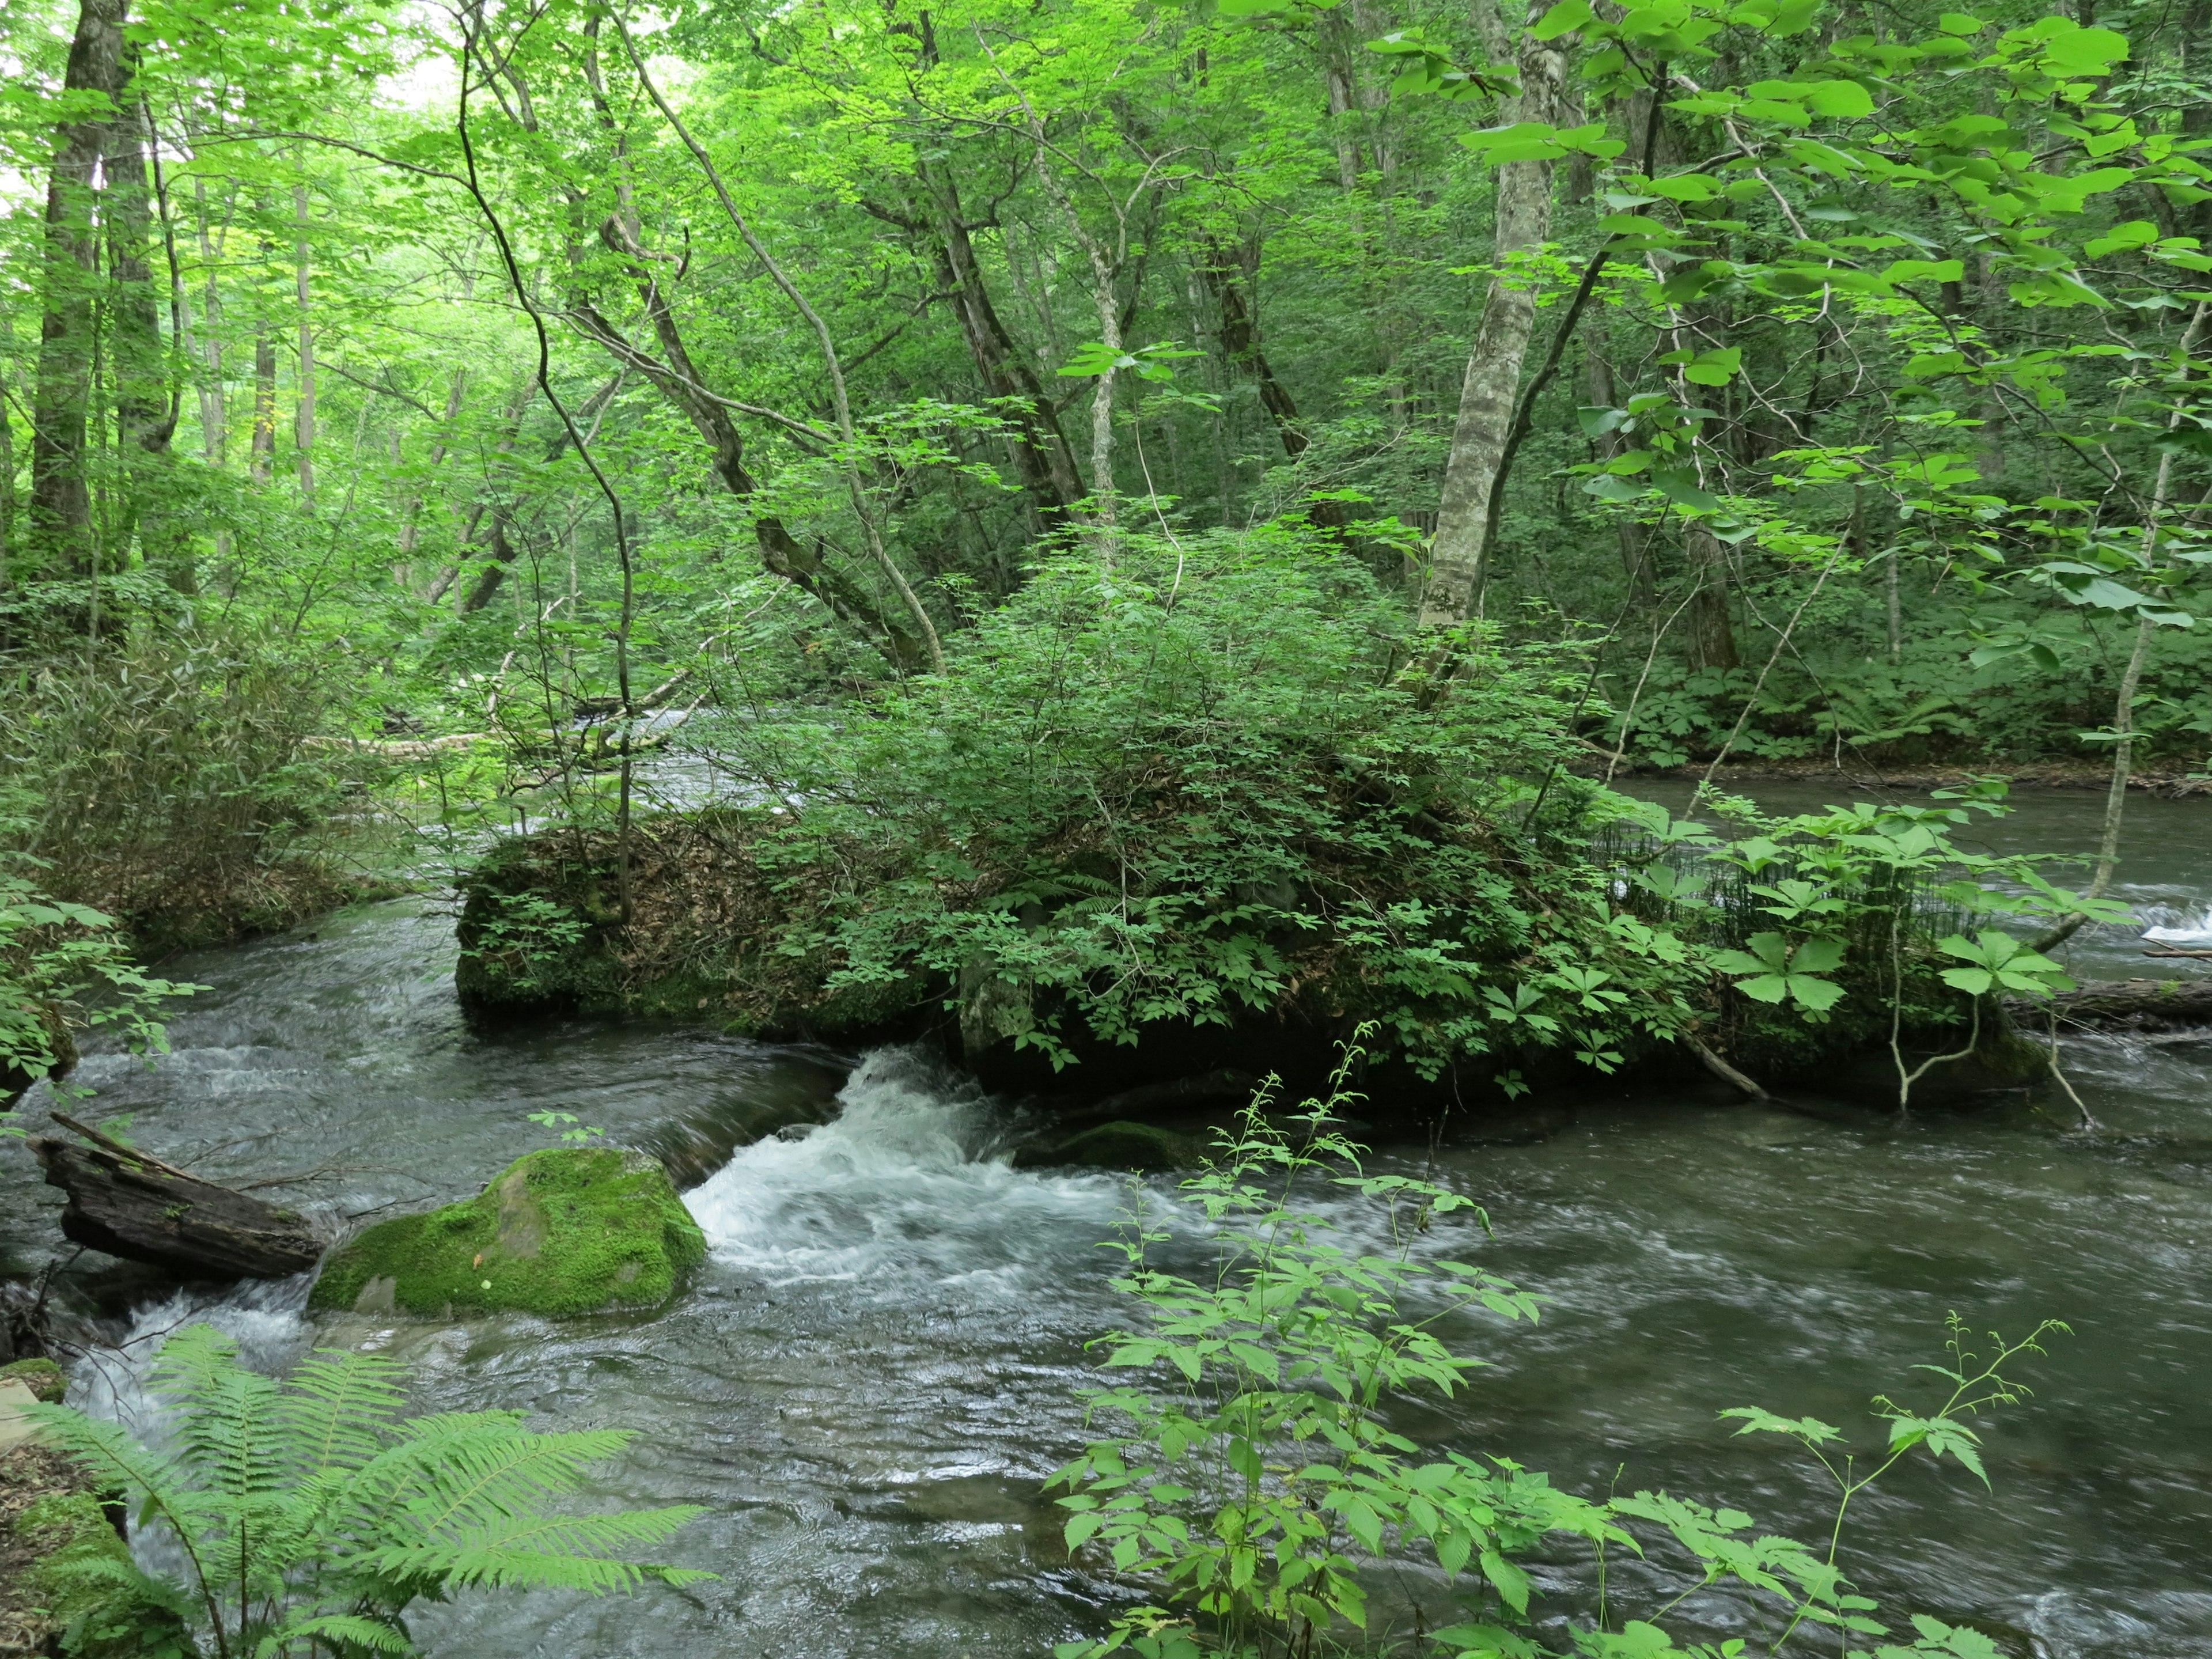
{"points": [[1120, 1146], [144, 1210], [561, 1232]]}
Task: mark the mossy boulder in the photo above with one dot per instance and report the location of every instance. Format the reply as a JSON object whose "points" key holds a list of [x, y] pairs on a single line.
{"points": [[1118, 1145], [75, 1552], [562, 1233], [42, 1376], [61, 1552]]}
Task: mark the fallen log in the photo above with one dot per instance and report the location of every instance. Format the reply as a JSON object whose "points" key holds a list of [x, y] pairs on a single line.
{"points": [[2123, 1005], [130, 1204]]}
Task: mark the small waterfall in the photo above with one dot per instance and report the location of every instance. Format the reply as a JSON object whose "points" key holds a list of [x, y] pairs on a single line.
{"points": [[912, 1176], [2188, 924]]}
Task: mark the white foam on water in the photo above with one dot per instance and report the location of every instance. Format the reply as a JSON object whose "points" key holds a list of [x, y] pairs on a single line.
{"points": [[2191, 926], [911, 1178]]}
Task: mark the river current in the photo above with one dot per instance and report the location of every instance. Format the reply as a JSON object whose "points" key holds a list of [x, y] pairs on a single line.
{"points": [[879, 1367]]}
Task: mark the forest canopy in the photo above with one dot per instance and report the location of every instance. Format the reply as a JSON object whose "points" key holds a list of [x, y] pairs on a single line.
{"points": [[1822, 380]]}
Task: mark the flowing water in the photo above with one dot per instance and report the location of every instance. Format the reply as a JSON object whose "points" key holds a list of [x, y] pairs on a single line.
{"points": [[879, 1367]]}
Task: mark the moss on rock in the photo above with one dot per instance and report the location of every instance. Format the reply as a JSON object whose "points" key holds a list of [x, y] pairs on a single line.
{"points": [[42, 1376], [558, 1233], [93, 1614], [60, 1554]]}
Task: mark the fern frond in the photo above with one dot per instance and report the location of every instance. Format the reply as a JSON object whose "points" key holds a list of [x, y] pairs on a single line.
{"points": [[227, 1431], [114, 1456], [99, 1566], [547, 1553], [338, 1410], [462, 1472], [343, 1630]]}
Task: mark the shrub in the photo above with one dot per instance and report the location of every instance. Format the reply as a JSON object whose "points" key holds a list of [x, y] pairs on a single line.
{"points": [[171, 783], [1198, 787], [1256, 1481]]}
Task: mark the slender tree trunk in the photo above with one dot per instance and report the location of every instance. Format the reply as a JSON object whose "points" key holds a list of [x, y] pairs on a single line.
{"points": [[1038, 449], [303, 429], [1460, 553], [214, 435], [1712, 633], [61, 527], [263, 444], [145, 406], [1635, 546]]}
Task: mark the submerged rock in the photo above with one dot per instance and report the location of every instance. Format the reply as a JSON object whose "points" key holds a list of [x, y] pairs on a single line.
{"points": [[558, 1233], [1119, 1146]]}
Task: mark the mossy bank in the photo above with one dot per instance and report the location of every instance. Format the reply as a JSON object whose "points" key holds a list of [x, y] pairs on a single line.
{"points": [[558, 1233]]}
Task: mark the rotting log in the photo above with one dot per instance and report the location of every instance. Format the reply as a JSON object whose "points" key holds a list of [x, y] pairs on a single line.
{"points": [[138, 1207], [2124, 1005]]}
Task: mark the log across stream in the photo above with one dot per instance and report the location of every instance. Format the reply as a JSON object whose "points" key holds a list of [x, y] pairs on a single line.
{"points": [[880, 1363]]}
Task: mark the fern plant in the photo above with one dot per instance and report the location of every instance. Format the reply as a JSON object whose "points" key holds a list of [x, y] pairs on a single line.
{"points": [[308, 1513]]}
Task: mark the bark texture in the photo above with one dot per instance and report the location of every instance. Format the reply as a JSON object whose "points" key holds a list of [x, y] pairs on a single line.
{"points": [[61, 499], [1459, 552], [2126, 1004], [144, 1211]]}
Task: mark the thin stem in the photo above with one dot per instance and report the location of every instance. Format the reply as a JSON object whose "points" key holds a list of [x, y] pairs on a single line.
{"points": [[470, 50], [838, 397]]}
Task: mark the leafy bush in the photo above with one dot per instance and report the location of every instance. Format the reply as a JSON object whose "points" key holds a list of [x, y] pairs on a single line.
{"points": [[1257, 1484], [172, 783], [1201, 787], [1861, 928], [53, 955], [309, 1514]]}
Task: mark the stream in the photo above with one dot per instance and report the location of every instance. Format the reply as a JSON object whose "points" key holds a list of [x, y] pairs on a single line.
{"points": [[878, 1369]]}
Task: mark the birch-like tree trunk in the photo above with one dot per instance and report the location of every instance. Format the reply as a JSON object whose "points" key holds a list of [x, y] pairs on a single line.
{"points": [[304, 416], [1459, 552]]}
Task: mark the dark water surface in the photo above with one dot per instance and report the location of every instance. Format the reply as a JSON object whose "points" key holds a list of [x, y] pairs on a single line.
{"points": [[878, 1369]]}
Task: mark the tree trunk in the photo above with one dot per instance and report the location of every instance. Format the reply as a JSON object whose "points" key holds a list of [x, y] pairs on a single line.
{"points": [[1459, 554], [264, 442], [1042, 461], [61, 530], [145, 409], [215, 436], [1635, 546], [1712, 633], [303, 429], [2124, 1005], [142, 1210]]}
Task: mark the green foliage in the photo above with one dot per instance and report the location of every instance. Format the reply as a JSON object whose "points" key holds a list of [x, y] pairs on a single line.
{"points": [[1195, 789], [42, 1376], [63, 964], [1868, 899], [1254, 1484], [1254, 1480], [84, 1576], [177, 784], [311, 1512], [571, 1229]]}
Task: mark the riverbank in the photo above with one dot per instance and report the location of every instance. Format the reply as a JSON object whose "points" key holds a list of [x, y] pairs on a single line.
{"points": [[879, 1364]]}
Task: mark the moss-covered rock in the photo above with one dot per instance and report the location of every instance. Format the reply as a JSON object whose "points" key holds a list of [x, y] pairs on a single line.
{"points": [[42, 1376], [1118, 1145], [74, 1549], [60, 1549], [558, 1233], [541, 929]]}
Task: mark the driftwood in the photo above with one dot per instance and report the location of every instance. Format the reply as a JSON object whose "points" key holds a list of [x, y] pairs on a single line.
{"points": [[129, 1204], [2125, 1005]]}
